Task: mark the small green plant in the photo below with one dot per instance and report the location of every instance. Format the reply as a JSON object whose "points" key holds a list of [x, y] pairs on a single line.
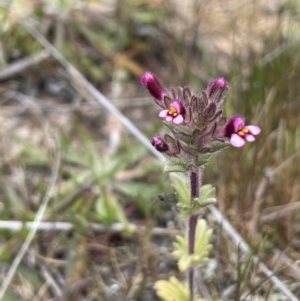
{"points": [[198, 129]]}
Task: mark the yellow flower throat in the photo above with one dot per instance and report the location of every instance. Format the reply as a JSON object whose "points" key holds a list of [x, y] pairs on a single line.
{"points": [[243, 131], [173, 111]]}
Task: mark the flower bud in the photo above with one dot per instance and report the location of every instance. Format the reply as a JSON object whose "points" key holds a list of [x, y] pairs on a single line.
{"points": [[219, 83], [149, 81], [159, 144]]}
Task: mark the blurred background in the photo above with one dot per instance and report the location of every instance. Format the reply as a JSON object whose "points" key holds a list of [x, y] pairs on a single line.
{"points": [[63, 150]]}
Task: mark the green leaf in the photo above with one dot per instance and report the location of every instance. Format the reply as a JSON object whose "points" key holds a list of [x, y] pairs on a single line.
{"points": [[33, 155], [171, 166], [207, 190], [181, 188], [139, 193], [216, 146], [207, 195], [203, 159], [202, 247], [185, 262], [185, 210], [109, 210], [172, 290], [204, 203], [16, 203]]}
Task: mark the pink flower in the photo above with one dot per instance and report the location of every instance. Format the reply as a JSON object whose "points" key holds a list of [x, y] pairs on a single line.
{"points": [[238, 132], [175, 113], [154, 87]]}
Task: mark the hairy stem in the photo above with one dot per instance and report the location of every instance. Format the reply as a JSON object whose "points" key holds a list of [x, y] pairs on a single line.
{"points": [[195, 179]]}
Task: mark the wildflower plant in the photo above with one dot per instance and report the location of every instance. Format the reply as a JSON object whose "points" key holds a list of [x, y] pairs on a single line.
{"points": [[197, 129]]}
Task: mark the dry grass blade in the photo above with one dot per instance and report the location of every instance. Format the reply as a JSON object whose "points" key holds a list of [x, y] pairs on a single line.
{"points": [[279, 212], [284, 260], [135, 286], [262, 191], [51, 282], [72, 292], [23, 64], [13, 268]]}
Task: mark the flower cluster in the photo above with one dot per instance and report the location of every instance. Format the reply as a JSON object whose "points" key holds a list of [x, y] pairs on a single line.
{"points": [[196, 122]]}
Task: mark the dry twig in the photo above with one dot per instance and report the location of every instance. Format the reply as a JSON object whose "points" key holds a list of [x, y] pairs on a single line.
{"points": [[115, 228]]}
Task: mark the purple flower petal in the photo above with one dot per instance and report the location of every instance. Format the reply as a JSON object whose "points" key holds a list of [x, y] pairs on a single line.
{"points": [[254, 130], [233, 125], [163, 113], [236, 140], [169, 118], [249, 137], [238, 123], [178, 120]]}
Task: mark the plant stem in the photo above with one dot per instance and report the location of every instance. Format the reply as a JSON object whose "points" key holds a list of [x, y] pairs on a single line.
{"points": [[195, 179]]}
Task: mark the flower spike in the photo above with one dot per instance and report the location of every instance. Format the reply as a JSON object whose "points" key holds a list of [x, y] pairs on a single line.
{"points": [[195, 119], [238, 132]]}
